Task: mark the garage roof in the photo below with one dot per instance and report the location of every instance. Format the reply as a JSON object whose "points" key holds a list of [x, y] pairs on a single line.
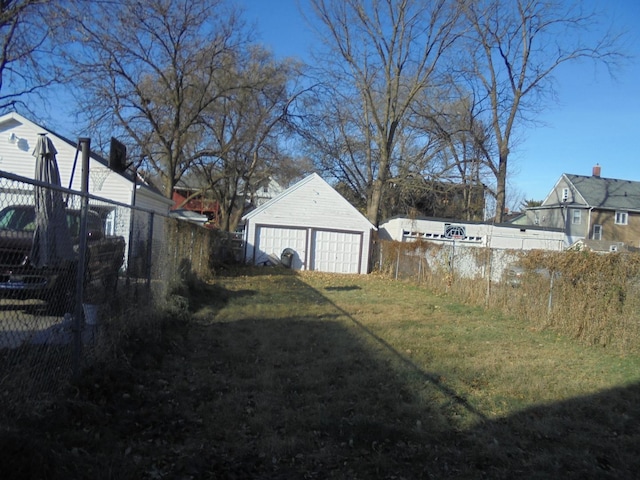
{"points": [[311, 202]]}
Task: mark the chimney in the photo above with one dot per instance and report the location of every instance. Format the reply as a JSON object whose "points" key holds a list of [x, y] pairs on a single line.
{"points": [[596, 171]]}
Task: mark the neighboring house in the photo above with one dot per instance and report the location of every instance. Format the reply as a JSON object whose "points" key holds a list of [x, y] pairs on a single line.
{"points": [[325, 232], [462, 247], [472, 234], [17, 140], [265, 191], [16, 156], [591, 208], [190, 198]]}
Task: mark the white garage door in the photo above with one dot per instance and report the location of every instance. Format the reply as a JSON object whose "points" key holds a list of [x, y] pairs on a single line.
{"points": [[271, 241], [337, 252]]}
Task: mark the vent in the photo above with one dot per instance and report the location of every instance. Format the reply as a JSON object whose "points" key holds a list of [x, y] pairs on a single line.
{"points": [[454, 231]]}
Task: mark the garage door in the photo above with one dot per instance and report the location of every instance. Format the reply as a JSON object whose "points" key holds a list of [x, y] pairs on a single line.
{"points": [[271, 241], [337, 252]]}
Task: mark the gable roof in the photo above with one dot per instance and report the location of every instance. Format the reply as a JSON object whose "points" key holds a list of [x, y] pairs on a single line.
{"points": [[595, 192], [607, 193], [14, 118], [17, 118], [325, 192]]}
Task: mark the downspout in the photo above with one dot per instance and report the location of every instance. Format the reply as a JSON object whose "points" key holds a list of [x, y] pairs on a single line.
{"points": [[588, 236], [245, 241]]}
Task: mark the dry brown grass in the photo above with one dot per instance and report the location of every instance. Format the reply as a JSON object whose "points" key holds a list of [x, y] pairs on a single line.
{"points": [[322, 376], [593, 298]]}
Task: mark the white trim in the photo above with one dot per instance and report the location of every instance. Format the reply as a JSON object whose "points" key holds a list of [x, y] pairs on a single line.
{"points": [[597, 235], [621, 217]]}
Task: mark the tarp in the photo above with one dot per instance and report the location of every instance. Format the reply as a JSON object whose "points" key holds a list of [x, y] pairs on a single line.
{"points": [[52, 239]]}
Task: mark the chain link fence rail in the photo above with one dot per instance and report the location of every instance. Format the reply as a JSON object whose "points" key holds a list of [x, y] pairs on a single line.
{"points": [[55, 318]]}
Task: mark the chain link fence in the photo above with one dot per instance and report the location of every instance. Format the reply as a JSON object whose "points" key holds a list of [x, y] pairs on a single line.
{"points": [[593, 297], [125, 263]]}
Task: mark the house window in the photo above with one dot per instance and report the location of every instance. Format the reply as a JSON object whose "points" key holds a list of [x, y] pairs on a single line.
{"points": [[597, 232], [576, 218], [621, 218]]}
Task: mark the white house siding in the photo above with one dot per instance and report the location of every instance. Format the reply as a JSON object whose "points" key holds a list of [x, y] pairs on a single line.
{"points": [[16, 157], [517, 237], [18, 137], [460, 254], [330, 225]]}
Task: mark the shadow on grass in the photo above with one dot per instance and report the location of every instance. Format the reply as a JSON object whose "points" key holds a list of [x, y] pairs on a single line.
{"points": [[314, 395], [318, 398], [345, 288]]}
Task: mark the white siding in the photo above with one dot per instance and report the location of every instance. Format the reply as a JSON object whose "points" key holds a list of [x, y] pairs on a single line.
{"points": [[312, 203], [18, 137], [517, 237], [17, 158], [340, 235]]}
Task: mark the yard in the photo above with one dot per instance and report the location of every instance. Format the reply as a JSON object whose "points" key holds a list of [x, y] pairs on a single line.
{"points": [[307, 375]]}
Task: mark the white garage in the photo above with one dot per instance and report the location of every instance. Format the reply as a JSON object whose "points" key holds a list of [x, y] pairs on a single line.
{"points": [[322, 229]]}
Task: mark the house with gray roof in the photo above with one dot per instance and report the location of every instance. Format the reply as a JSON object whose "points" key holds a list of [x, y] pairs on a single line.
{"points": [[591, 208]]}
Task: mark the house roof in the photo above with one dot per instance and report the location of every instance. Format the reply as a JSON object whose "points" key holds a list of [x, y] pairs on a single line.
{"points": [[16, 117], [607, 193]]}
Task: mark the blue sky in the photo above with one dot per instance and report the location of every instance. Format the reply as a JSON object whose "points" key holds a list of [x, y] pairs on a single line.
{"points": [[596, 119]]}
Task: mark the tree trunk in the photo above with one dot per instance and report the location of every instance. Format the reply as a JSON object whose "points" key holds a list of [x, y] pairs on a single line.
{"points": [[501, 185], [373, 205]]}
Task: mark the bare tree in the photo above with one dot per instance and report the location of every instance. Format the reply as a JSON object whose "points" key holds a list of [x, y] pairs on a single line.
{"points": [[339, 143], [152, 69], [515, 46], [244, 130], [463, 139], [382, 54], [27, 60]]}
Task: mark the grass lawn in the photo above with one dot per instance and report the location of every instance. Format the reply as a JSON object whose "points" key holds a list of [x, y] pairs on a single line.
{"points": [[283, 375]]}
